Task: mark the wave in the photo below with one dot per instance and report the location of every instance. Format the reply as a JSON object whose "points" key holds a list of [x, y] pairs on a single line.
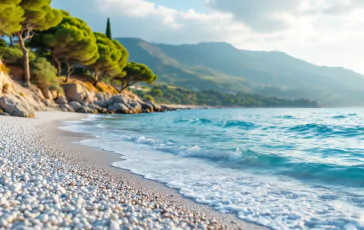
{"points": [[240, 124], [223, 124], [310, 130], [246, 158]]}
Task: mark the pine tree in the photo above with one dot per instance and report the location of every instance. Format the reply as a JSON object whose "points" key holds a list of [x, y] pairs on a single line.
{"points": [[108, 29]]}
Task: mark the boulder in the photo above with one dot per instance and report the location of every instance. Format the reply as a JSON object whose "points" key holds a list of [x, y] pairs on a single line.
{"points": [[121, 108], [75, 105], [101, 104], [135, 107], [16, 106], [121, 98], [86, 109], [96, 107], [66, 108], [47, 102], [147, 107], [62, 100], [75, 92], [111, 109]]}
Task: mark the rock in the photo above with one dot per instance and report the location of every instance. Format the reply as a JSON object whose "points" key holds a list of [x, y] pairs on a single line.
{"points": [[86, 109], [66, 108], [61, 100], [120, 108], [75, 105], [136, 107], [147, 107], [120, 99], [101, 104], [75, 92], [111, 109], [114, 225], [16, 107], [95, 107], [47, 102]]}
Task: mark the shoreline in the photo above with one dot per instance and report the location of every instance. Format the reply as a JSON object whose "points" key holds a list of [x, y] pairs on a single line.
{"points": [[101, 160]]}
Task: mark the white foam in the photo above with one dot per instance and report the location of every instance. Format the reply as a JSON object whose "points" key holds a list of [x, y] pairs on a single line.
{"points": [[275, 201]]}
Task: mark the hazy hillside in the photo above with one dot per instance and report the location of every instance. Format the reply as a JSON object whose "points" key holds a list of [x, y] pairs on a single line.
{"points": [[220, 66]]}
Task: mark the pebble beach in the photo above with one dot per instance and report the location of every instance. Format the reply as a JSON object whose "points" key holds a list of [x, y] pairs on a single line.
{"points": [[48, 183]]}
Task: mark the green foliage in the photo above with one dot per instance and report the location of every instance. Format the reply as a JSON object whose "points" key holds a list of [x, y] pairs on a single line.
{"points": [[108, 29], [39, 15], [10, 55], [11, 17], [2, 43], [14, 55], [173, 95], [44, 75], [72, 41], [136, 72], [155, 91], [112, 58]]}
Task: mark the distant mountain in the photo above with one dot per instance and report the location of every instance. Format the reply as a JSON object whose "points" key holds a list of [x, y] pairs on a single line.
{"points": [[220, 66]]}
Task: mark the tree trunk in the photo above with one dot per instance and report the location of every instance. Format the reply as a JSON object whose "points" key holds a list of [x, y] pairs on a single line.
{"points": [[25, 60], [11, 38], [69, 70], [58, 65], [96, 78]]}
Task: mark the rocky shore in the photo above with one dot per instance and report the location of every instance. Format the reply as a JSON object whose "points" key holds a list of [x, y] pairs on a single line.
{"points": [[16, 100], [42, 185]]}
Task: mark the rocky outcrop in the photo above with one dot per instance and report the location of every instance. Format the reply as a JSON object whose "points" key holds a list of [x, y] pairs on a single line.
{"points": [[15, 106], [75, 92], [16, 100]]}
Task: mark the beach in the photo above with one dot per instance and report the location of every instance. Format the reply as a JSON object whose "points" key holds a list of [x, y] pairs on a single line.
{"points": [[50, 181]]}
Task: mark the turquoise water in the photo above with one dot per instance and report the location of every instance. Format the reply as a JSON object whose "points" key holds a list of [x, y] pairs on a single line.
{"points": [[281, 168]]}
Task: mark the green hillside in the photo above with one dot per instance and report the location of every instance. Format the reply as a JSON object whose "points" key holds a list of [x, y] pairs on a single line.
{"points": [[220, 66]]}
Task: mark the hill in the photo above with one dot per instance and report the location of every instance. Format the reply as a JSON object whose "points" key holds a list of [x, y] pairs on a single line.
{"points": [[222, 67]]}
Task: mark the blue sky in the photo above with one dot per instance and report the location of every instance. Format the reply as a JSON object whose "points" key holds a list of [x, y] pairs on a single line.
{"points": [[325, 32]]}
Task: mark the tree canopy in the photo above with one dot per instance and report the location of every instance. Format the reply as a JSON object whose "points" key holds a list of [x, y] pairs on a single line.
{"points": [[108, 29], [136, 72], [38, 16], [112, 58], [72, 41], [11, 15]]}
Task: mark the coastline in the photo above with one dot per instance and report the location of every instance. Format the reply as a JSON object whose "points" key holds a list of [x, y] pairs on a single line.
{"points": [[100, 161]]}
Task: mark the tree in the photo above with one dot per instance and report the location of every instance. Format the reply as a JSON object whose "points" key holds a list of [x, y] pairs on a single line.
{"points": [[136, 72], [72, 41], [11, 17], [108, 29], [38, 16], [112, 58]]}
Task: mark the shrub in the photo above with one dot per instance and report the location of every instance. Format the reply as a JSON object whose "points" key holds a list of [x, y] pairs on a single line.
{"points": [[44, 75], [10, 55], [14, 55], [156, 92], [2, 43], [4, 69], [148, 98]]}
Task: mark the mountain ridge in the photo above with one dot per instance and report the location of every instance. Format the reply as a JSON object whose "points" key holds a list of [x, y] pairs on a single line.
{"points": [[221, 66]]}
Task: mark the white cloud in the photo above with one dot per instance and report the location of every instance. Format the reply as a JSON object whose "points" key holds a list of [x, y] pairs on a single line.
{"points": [[304, 28]]}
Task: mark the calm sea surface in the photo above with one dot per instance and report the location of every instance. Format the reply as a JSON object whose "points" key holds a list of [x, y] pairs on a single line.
{"points": [[282, 168]]}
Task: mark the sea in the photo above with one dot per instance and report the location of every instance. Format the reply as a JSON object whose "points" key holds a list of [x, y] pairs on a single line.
{"points": [[279, 168]]}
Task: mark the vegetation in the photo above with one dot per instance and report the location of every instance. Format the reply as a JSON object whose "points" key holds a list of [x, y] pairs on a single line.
{"points": [[44, 75], [108, 29], [72, 42], [173, 95], [48, 43], [136, 72]]}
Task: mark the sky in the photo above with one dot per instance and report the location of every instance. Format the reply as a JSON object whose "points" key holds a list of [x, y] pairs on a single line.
{"points": [[323, 32]]}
